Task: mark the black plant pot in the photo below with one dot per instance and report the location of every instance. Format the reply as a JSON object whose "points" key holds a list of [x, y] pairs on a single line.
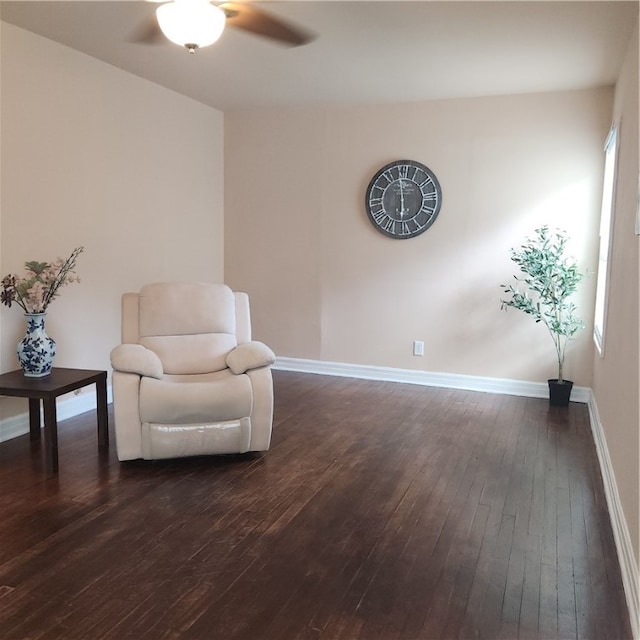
{"points": [[559, 392]]}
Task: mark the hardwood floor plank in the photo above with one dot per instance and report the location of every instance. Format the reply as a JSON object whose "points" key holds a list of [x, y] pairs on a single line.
{"points": [[382, 511]]}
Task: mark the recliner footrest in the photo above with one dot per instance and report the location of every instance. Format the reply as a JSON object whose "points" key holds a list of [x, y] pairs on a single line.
{"points": [[174, 441]]}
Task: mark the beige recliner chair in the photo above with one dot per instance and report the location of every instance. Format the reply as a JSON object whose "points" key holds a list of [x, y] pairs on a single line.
{"points": [[188, 380]]}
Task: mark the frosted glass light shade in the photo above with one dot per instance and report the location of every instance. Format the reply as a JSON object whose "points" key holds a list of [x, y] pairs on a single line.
{"points": [[191, 23]]}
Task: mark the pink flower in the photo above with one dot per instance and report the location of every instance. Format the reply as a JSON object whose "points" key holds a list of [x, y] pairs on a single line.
{"points": [[41, 284]]}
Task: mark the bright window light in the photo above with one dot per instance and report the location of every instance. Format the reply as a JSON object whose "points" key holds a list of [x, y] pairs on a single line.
{"points": [[606, 224]]}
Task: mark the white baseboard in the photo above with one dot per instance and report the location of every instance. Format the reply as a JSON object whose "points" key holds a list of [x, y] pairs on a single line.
{"points": [[14, 426], [626, 557], [427, 378], [67, 407]]}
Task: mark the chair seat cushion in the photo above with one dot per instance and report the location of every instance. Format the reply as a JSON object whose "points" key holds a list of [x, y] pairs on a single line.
{"points": [[202, 398]]}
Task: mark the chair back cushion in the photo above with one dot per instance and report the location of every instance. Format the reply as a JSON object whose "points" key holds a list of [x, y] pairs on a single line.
{"points": [[190, 326]]}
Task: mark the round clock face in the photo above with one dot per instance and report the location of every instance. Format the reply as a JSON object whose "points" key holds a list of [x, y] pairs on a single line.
{"points": [[403, 199]]}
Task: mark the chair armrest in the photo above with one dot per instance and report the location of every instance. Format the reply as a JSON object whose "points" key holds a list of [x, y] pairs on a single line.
{"points": [[250, 355], [134, 358]]}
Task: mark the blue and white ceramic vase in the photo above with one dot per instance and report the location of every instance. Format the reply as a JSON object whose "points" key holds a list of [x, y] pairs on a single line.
{"points": [[36, 351]]}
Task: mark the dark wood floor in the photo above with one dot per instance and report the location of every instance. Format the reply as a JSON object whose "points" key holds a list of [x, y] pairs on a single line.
{"points": [[382, 511]]}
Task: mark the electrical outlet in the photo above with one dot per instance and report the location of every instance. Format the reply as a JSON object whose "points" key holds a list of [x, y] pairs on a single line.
{"points": [[418, 348]]}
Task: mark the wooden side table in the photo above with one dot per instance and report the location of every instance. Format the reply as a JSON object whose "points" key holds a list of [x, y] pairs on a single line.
{"points": [[47, 389]]}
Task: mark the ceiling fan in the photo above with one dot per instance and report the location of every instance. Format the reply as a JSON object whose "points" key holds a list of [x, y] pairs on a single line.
{"points": [[199, 23]]}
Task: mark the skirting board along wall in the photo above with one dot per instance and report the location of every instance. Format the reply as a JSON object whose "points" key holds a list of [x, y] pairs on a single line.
{"points": [[626, 557], [427, 378]]}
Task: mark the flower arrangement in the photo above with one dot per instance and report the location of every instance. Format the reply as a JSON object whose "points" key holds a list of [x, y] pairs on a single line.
{"points": [[41, 283]]}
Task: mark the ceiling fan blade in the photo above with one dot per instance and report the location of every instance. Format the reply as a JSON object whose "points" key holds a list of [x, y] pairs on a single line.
{"points": [[148, 32], [246, 17]]}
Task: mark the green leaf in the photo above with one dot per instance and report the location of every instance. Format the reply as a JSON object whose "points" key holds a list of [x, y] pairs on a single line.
{"points": [[549, 278]]}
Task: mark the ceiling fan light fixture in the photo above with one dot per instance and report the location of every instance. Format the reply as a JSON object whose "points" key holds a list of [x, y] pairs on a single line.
{"points": [[191, 23]]}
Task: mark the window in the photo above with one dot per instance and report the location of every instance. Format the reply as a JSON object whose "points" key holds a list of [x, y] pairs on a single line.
{"points": [[606, 223]]}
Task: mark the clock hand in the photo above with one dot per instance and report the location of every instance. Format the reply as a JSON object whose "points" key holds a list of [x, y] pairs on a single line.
{"points": [[401, 200]]}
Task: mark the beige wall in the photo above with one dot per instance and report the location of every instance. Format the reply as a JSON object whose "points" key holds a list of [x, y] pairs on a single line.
{"points": [[616, 381], [326, 285], [95, 156]]}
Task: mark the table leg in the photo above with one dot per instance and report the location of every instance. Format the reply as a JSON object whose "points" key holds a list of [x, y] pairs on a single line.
{"points": [[50, 435], [34, 418], [101, 406]]}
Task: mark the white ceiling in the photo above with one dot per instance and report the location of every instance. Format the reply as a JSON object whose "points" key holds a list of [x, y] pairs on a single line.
{"points": [[364, 52]]}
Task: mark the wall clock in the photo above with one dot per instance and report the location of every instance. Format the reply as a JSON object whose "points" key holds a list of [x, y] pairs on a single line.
{"points": [[403, 199]]}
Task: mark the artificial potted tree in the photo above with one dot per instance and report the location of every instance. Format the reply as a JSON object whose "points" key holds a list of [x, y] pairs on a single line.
{"points": [[549, 279]]}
